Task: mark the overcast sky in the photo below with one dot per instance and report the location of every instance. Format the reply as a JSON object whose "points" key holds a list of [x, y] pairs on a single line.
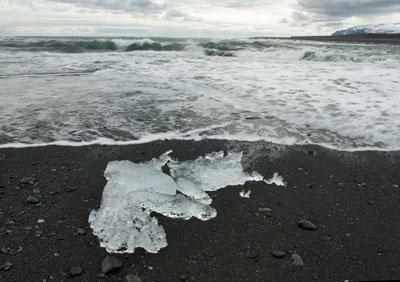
{"points": [[191, 18]]}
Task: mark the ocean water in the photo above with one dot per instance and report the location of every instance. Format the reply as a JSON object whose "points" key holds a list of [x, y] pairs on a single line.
{"points": [[76, 91]]}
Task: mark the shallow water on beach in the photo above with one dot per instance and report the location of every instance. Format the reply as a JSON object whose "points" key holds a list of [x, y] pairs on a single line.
{"points": [[125, 90]]}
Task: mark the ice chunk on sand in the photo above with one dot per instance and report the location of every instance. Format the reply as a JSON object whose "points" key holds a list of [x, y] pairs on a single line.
{"points": [[277, 179], [245, 194], [134, 190], [214, 171]]}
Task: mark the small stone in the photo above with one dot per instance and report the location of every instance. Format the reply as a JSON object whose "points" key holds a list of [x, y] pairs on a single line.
{"points": [[309, 185], [40, 221], [76, 271], [32, 200], [184, 277], [326, 238], [6, 267], [36, 191], [340, 185], [13, 252], [4, 250], [110, 263], [251, 254], [395, 186], [71, 189], [81, 231], [133, 278], [307, 225], [278, 254], [297, 261], [28, 180], [264, 209], [311, 152], [38, 233], [355, 258], [363, 184]]}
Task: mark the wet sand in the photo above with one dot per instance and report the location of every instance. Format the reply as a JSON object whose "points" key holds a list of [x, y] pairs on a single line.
{"points": [[352, 198]]}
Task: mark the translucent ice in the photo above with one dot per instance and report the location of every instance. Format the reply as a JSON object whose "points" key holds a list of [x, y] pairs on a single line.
{"points": [[245, 194], [277, 179], [134, 190], [214, 171]]}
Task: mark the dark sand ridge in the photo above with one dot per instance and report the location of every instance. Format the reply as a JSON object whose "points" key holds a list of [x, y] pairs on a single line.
{"points": [[353, 201]]}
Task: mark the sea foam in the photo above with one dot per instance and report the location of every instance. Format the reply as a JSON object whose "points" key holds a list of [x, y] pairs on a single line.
{"points": [[342, 96]]}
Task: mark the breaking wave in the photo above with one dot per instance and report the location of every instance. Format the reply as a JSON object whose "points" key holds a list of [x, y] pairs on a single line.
{"points": [[273, 49]]}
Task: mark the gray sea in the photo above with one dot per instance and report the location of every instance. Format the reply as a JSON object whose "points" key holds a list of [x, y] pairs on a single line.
{"points": [[77, 91]]}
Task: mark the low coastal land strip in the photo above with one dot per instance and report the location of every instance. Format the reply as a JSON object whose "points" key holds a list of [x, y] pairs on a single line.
{"points": [[351, 200], [370, 38]]}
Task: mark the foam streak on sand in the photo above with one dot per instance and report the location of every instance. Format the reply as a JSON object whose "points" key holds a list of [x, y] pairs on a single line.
{"points": [[133, 191]]}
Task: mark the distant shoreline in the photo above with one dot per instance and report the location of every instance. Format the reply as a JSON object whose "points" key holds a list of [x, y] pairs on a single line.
{"points": [[370, 38]]}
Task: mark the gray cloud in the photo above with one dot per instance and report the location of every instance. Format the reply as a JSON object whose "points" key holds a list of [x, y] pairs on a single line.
{"points": [[141, 6], [349, 8], [176, 14]]}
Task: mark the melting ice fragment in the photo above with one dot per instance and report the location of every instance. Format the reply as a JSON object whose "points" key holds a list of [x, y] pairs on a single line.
{"points": [[134, 190], [277, 179], [214, 171], [245, 194]]}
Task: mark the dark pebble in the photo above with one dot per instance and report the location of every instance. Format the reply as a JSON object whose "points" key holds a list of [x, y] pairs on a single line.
{"points": [[355, 258], [6, 267], [76, 271], [297, 261], [309, 185], [110, 263], [326, 238], [13, 252], [71, 189], [363, 184], [133, 278], [251, 254], [28, 180], [340, 185], [183, 278], [32, 200], [278, 254], [307, 225], [81, 231]]}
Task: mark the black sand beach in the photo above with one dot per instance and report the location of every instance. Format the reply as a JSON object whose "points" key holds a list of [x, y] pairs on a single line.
{"points": [[352, 198]]}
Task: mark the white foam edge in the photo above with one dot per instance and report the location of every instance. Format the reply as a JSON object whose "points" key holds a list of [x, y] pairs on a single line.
{"points": [[276, 179], [191, 135]]}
